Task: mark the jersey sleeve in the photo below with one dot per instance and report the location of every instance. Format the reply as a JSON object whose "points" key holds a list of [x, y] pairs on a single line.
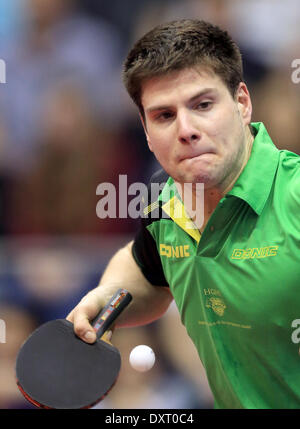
{"points": [[144, 249]]}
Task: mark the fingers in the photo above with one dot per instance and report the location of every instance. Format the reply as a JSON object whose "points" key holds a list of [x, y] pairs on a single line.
{"points": [[83, 313]]}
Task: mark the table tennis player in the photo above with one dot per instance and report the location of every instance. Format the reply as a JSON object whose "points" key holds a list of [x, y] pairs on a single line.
{"points": [[234, 272]]}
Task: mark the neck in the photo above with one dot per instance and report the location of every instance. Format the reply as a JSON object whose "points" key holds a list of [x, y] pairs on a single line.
{"points": [[249, 138], [213, 195]]}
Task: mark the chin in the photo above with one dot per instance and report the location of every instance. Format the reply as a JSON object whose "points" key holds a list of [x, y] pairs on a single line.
{"points": [[198, 171], [198, 176]]}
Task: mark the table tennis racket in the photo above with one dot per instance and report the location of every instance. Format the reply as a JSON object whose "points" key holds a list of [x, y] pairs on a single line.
{"points": [[56, 369]]}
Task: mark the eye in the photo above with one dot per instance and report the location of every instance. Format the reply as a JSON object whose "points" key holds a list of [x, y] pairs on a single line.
{"points": [[164, 116], [204, 105]]}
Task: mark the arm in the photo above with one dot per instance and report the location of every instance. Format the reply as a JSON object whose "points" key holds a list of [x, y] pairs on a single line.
{"points": [[148, 302]]}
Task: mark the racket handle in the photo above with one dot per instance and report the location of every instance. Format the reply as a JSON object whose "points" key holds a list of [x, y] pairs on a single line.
{"points": [[111, 311]]}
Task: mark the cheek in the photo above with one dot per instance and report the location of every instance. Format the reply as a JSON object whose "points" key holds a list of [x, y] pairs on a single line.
{"points": [[159, 148], [226, 129], [219, 127], [163, 153], [149, 144], [159, 143]]}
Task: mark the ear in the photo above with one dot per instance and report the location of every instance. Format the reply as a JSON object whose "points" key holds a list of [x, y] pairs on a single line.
{"points": [[146, 132], [244, 103]]}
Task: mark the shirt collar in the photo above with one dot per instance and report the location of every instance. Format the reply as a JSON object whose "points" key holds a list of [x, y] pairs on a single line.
{"points": [[256, 180]]}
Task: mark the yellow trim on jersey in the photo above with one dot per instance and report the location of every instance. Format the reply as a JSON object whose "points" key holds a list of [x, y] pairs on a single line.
{"points": [[175, 209]]}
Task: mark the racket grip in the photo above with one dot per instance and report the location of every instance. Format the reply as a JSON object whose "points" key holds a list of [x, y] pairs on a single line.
{"points": [[111, 311]]}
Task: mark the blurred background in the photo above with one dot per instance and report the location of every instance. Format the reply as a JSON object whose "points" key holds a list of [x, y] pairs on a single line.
{"points": [[67, 125]]}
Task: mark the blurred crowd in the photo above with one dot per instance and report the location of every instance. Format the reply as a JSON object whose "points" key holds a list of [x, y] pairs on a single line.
{"points": [[67, 125]]}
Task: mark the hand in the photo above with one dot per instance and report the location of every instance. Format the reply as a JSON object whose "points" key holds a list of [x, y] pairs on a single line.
{"points": [[86, 311]]}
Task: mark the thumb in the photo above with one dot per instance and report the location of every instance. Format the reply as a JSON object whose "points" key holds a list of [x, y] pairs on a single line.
{"points": [[83, 314]]}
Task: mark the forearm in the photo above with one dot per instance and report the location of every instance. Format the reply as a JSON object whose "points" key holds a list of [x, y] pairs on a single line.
{"points": [[149, 302]]}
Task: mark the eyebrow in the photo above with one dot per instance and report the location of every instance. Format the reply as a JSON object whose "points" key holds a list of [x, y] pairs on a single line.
{"points": [[204, 91]]}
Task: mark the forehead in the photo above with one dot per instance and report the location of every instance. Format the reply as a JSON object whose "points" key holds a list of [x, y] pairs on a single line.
{"points": [[180, 84]]}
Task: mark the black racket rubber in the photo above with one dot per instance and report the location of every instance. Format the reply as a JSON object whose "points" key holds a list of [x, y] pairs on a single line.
{"points": [[56, 369]]}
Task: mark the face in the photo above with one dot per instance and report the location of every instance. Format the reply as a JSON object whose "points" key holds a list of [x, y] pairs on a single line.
{"points": [[195, 128]]}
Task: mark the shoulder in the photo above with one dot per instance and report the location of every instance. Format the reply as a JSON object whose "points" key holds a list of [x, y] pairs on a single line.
{"points": [[289, 165], [289, 172]]}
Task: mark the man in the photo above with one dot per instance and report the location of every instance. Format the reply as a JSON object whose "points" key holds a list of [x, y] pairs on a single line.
{"points": [[233, 272]]}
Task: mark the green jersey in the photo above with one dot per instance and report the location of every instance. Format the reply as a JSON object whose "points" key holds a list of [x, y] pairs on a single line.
{"points": [[236, 285]]}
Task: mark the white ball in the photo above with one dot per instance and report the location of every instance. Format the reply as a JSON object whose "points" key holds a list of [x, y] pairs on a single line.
{"points": [[142, 358]]}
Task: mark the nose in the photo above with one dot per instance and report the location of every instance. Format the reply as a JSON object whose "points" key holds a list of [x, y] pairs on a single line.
{"points": [[187, 131]]}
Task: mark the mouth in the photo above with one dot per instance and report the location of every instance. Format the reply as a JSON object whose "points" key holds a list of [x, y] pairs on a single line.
{"points": [[198, 155]]}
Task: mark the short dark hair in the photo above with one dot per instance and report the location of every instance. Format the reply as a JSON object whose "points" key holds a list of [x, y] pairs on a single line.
{"points": [[178, 45]]}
